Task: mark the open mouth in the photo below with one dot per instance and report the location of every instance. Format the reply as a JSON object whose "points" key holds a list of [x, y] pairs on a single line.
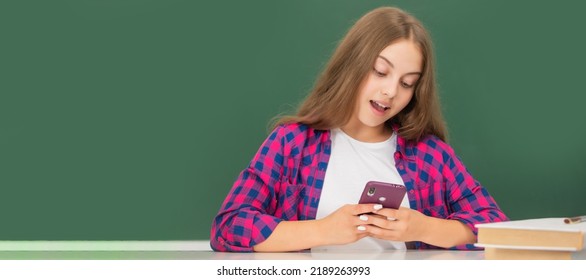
{"points": [[379, 107]]}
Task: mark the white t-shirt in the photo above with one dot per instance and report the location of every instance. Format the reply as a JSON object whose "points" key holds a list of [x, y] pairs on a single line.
{"points": [[352, 164]]}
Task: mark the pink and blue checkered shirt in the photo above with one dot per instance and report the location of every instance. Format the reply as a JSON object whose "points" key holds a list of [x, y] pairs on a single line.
{"points": [[285, 178]]}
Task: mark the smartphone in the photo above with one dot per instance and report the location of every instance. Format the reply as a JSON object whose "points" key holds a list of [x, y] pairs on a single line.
{"points": [[387, 194]]}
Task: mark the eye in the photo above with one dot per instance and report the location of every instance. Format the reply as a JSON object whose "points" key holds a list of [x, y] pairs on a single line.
{"points": [[379, 73], [406, 85]]}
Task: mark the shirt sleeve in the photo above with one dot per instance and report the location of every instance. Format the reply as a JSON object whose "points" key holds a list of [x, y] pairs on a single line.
{"points": [[469, 202], [244, 219]]}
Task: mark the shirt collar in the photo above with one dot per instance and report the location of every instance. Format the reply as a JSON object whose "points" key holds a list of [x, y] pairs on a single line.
{"points": [[402, 144]]}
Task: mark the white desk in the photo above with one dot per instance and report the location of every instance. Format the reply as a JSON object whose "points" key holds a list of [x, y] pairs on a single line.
{"points": [[356, 255], [196, 250], [202, 261]]}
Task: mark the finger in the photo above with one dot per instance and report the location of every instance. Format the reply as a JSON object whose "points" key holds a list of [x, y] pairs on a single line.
{"points": [[361, 233], [391, 214], [379, 233], [365, 208], [361, 219], [366, 219], [382, 222]]}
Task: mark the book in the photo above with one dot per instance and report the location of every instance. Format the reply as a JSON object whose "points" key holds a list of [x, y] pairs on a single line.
{"points": [[530, 253], [544, 238], [544, 232]]}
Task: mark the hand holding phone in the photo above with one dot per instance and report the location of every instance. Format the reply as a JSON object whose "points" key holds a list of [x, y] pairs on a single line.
{"points": [[387, 194]]}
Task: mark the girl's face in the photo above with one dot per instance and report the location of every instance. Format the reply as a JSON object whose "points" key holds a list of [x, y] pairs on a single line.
{"points": [[387, 89]]}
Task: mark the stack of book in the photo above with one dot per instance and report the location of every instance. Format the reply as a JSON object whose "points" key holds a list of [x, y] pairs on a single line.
{"points": [[533, 239]]}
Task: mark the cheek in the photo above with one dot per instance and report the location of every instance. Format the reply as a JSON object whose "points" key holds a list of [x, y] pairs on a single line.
{"points": [[405, 99], [408, 95], [369, 86]]}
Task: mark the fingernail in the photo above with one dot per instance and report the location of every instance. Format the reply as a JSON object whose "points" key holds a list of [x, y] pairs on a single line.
{"points": [[363, 217], [361, 228], [378, 207]]}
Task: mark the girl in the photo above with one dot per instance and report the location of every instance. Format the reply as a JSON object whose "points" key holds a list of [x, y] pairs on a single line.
{"points": [[373, 115]]}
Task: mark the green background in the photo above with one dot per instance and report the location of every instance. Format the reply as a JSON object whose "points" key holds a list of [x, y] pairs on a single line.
{"points": [[130, 119]]}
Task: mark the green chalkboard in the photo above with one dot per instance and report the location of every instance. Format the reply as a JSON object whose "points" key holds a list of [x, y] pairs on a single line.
{"points": [[130, 119]]}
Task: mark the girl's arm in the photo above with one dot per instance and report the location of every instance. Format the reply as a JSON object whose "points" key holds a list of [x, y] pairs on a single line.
{"points": [[340, 227], [247, 220], [245, 217], [457, 201], [406, 224]]}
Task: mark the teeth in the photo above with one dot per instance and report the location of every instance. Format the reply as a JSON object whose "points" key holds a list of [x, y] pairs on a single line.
{"points": [[381, 105]]}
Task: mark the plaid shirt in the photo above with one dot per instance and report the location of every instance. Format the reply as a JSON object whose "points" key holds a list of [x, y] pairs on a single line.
{"points": [[285, 178]]}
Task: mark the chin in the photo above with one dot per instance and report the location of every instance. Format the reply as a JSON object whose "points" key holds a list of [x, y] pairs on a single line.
{"points": [[372, 124]]}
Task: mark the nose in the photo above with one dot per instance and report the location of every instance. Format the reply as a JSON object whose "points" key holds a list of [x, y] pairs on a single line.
{"points": [[391, 90]]}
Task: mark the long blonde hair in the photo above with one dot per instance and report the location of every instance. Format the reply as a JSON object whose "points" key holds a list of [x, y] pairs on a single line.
{"points": [[332, 101]]}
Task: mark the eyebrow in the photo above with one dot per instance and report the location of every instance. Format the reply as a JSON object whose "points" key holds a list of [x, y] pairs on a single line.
{"points": [[393, 66]]}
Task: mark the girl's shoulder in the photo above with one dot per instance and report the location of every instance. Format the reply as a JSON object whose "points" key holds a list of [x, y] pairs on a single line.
{"points": [[429, 145], [297, 131], [292, 127], [434, 142]]}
